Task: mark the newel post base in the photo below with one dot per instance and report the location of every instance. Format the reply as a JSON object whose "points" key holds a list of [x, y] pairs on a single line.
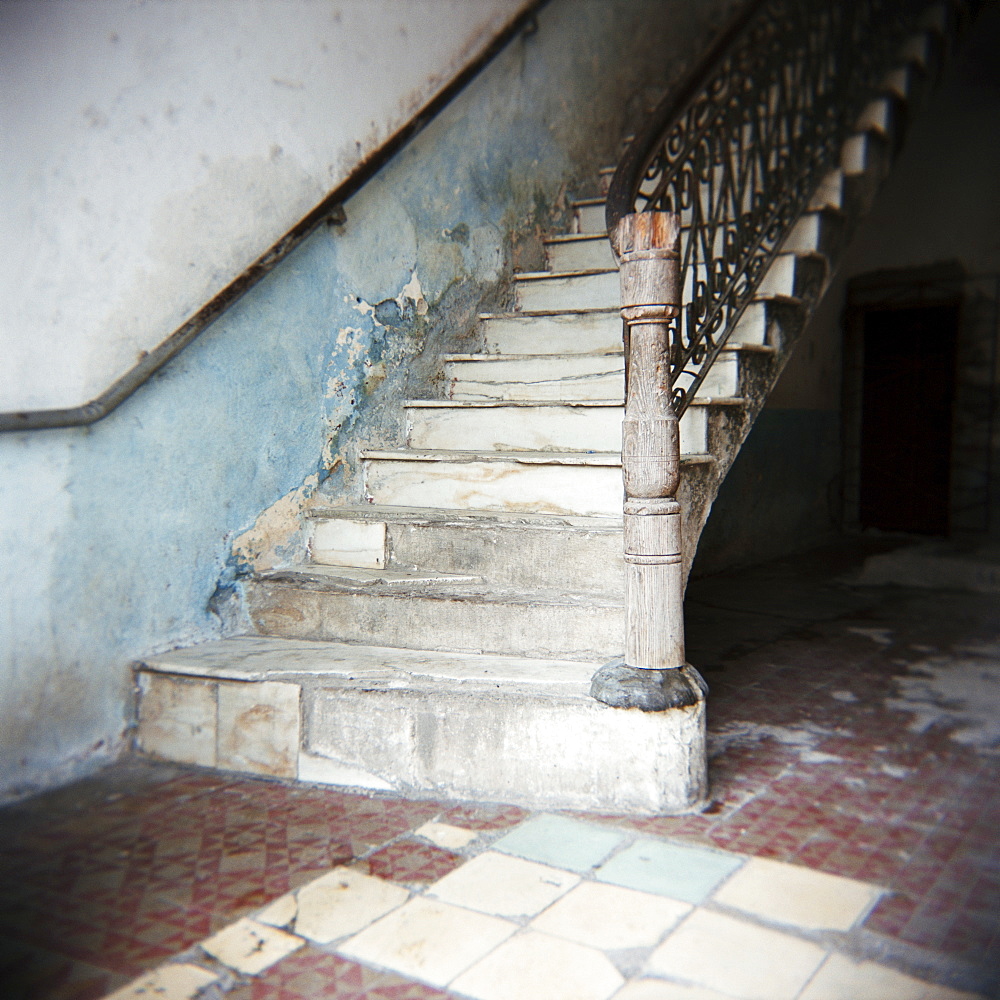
{"points": [[621, 686]]}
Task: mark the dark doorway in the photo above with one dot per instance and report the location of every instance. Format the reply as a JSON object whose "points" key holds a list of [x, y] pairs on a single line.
{"points": [[907, 396]]}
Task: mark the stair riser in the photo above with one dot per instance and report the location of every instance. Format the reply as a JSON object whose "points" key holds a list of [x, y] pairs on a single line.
{"points": [[579, 291], [496, 485], [587, 333], [584, 632], [549, 752], [502, 554], [586, 379], [532, 428], [580, 255], [589, 219]]}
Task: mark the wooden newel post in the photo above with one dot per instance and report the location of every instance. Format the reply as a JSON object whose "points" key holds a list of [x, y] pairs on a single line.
{"points": [[653, 675]]}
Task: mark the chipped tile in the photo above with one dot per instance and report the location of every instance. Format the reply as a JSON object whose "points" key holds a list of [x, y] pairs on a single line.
{"points": [[344, 902], [791, 894], [169, 982], [504, 886], [250, 947], [428, 940], [536, 965], [609, 916], [675, 870], [560, 842], [259, 728], [451, 838], [280, 913], [717, 952], [842, 979]]}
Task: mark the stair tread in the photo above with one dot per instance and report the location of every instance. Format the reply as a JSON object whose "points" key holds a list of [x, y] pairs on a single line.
{"points": [[547, 275], [447, 515], [598, 459], [472, 404], [473, 589], [359, 577], [527, 314], [259, 658], [731, 346]]}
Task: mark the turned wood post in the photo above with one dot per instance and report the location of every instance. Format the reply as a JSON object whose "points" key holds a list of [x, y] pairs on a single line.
{"points": [[653, 675]]}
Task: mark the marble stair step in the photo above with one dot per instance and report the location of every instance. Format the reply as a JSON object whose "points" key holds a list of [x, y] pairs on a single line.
{"points": [[558, 378], [530, 426], [554, 292], [413, 722], [817, 231], [470, 618], [542, 482], [504, 550], [591, 331]]}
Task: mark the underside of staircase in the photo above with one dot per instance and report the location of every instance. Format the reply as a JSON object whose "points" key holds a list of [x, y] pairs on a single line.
{"points": [[442, 638]]}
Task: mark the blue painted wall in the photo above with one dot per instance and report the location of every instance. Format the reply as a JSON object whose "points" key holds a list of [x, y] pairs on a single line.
{"points": [[117, 540]]}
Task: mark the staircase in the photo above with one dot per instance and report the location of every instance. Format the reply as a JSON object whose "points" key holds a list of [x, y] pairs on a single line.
{"points": [[442, 637]]}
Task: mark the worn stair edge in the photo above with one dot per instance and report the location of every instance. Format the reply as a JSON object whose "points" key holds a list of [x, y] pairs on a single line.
{"points": [[373, 719]]}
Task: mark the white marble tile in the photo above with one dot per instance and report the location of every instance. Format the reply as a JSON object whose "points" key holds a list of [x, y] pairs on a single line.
{"points": [[175, 981], [428, 940], [177, 719], [504, 886], [792, 894], [280, 913], [343, 542], [251, 947], [742, 959], [451, 838], [609, 916], [344, 902], [842, 979], [533, 966], [259, 727], [324, 771]]}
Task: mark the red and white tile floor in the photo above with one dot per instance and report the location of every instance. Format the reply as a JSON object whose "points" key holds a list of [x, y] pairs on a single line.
{"points": [[850, 851]]}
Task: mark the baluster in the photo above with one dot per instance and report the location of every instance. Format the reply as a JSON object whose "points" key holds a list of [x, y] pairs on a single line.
{"points": [[653, 675]]}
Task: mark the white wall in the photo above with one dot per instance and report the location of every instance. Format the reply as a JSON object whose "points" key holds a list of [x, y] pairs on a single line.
{"points": [[150, 151]]}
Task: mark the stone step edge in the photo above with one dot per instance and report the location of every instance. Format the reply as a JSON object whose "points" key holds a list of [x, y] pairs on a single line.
{"points": [[445, 516], [304, 577], [589, 272], [527, 315], [253, 659], [559, 238], [730, 346], [594, 459], [472, 404]]}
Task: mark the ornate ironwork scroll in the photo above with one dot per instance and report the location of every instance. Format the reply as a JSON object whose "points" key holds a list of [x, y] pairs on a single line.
{"points": [[739, 150]]}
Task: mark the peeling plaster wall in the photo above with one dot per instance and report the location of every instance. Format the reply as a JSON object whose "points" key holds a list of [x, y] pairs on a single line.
{"points": [[152, 151], [129, 536]]}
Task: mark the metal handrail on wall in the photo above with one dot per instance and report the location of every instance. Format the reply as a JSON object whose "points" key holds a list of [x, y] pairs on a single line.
{"points": [[739, 148], [329, 210]]}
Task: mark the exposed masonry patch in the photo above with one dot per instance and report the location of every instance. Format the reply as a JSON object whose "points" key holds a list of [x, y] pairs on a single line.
{"points": [[961, 692]]}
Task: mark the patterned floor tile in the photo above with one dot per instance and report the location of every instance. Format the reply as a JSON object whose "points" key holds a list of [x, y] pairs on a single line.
{"points": [[309, 974], [412, 862]]}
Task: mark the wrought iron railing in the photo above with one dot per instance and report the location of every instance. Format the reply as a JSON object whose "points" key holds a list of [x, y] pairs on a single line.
{"points": [[740, 147]]}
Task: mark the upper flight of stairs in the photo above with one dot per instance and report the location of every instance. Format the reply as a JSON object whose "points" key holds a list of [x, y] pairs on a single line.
{"points": [[442, 636]]}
